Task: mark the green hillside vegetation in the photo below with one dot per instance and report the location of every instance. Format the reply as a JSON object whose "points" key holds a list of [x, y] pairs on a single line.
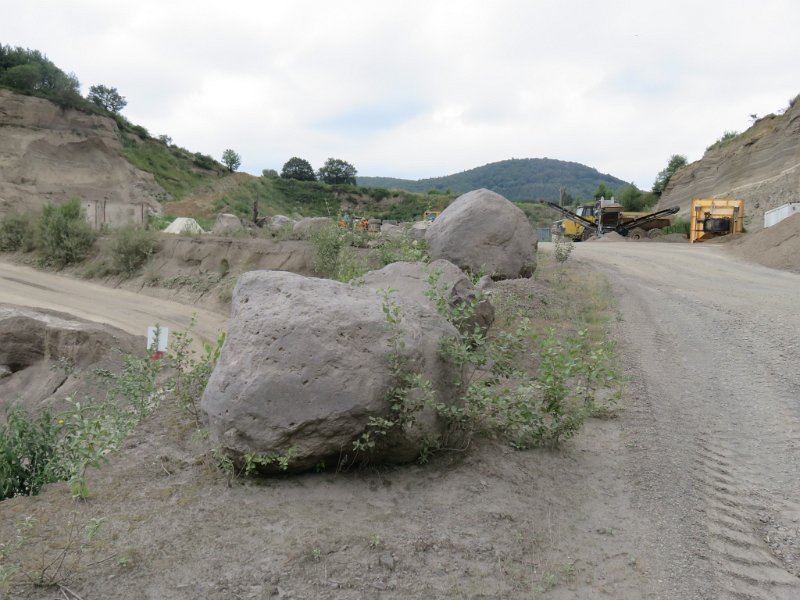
{"points": [[31, 73], [175, 169], [275, 195], [516, 179]]}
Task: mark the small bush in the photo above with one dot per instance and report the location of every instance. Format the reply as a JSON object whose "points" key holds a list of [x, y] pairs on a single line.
{"points": [[334, 256], [64, 235], [131, 247], [27, 446], [401, 249], [17, 232], [679, 226]]}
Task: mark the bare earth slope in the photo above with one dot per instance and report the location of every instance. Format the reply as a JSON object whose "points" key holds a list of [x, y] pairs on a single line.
{"points": [[777, 246], [50, 154], [761, 165]]}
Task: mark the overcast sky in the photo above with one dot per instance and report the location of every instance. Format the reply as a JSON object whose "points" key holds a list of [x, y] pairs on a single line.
{"points": [[426, 88]]}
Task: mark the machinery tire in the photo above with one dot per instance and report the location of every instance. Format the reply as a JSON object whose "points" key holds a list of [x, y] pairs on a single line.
{"points": [[586, 234], [637, 234], [654, 233]]}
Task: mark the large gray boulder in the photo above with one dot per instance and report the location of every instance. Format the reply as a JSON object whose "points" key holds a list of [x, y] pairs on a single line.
{"points": [[415, 280], [310, 225], [483, 232], [306, 365], [227, 223], [279, 222]]}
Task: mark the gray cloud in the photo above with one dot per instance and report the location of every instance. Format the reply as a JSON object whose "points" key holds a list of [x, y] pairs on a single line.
{"points": [[420, 89]]}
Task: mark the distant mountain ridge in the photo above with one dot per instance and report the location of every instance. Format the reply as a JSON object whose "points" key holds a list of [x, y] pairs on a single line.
{"points": [[516, 179]]}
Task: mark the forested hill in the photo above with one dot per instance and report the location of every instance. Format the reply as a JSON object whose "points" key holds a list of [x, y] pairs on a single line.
{"points": [[516, 179]]}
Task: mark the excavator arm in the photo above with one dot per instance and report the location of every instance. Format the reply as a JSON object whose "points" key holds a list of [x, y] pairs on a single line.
{"points": [[572, 216]]}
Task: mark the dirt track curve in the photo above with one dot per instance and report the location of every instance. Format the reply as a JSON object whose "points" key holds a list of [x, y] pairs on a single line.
{"points": [[713, 422], [129, 311]]}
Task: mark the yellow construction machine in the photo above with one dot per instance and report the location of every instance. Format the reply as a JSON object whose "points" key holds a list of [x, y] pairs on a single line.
{"points": [[604, 217], [713, 217]]}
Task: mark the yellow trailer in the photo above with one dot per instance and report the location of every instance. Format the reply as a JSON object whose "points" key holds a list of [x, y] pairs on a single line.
{"points": [[713, 217]]}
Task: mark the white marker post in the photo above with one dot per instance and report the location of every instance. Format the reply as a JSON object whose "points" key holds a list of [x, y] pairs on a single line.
{"points": [[157, 338]]}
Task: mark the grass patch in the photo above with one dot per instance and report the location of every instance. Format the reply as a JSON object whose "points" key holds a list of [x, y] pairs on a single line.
{"points": [[680, 225]]}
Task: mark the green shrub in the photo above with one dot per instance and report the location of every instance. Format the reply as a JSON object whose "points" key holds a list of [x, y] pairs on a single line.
{"points": [[27, 446], [334, 256], [401, 249], [131, 246], [17, 232], [64, 235], [525, 389], [680, 225]]}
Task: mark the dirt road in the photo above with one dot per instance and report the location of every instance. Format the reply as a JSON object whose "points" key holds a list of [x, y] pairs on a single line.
{"points": [[129, 311], [712, 428]]}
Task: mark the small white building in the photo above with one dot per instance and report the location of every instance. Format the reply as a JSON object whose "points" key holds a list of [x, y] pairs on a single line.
{"points": [[776, 215]]}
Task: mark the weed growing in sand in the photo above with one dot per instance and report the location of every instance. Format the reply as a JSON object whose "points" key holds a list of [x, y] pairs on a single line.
{"points": [[334, 256], [562, 249], [27, 447], [400, 249], [680, 225], [411, 392], [505, 396], [35, 451], [190, 373], [35, 557]]}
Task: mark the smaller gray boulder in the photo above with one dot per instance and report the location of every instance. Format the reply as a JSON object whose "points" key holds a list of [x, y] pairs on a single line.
{"points": [[415, 280], [227, 223], [309, 225], [280, 222], [418, 231]]}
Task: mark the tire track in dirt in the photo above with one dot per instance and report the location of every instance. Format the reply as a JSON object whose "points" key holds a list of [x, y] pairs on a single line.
{"points": [[711, 345], [745, 565]]}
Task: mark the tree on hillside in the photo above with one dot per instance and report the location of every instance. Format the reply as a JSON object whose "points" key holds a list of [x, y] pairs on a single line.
{"points": [[676, 161], [603, 192], [336, 170], [298, 168], [31, 72], [633, 199], [107, 97], [231, 159]]}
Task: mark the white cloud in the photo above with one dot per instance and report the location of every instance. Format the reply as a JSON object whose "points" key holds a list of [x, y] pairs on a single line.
{"points": [[427, 88]]}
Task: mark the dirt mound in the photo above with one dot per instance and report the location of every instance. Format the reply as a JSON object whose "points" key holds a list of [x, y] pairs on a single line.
{"points": [[46, 353], [777, 246], [608, 237]]}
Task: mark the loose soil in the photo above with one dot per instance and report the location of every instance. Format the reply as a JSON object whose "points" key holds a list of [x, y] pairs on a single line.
{"points": [[777, 246]]}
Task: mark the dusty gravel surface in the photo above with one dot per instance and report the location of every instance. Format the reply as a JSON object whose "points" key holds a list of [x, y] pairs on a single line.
{"points": [[691, 493], [712, 430], [129, 311]]}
